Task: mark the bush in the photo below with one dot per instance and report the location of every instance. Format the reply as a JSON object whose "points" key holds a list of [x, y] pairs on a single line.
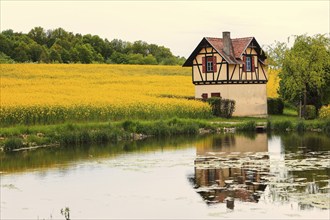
{"points": [[215, 103], [275, 106], [310, 112], [324, 112], [222, 107], [227, 108], [12, 143]]}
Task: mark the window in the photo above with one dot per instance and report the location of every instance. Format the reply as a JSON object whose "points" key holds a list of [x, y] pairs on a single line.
{"points": [[209, 64], [215, 94], [204, 96], [248, 64]]}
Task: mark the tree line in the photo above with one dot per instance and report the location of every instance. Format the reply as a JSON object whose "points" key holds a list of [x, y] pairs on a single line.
{"points": [[61, 46]]}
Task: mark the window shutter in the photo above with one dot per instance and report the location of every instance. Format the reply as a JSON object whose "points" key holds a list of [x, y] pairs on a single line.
{"points": [[244, 65], [203, 65], [252, 63], [214, 64]]}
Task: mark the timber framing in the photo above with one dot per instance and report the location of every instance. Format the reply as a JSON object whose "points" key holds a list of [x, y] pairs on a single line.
{"points": [[227, 69]]}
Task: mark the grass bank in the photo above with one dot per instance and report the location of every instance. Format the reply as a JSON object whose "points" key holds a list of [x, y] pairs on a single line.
{"points": [[13, 138], [78, 134]]}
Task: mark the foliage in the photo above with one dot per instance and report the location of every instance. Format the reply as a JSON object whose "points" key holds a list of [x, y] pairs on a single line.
{"points": [[168, 127], [324, 112], [326, 126], [227, 108], [49, 94], [247, 126], [300, 126], [305, 73], [215, 103], [222, 107], [5, 59], [275, 106], [282, 125], [60, 46], [12, 143], [276, 54], [310, 112]]}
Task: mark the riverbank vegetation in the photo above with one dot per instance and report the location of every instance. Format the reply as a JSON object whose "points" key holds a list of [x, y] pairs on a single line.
{"points": [[80, 134]]}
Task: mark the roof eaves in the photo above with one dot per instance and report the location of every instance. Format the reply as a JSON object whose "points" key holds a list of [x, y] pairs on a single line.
{"points": [[189, 61]]}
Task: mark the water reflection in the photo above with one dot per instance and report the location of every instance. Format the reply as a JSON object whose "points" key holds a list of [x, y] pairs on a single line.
{"points": [[246, 168], [255, 175], [47, 158], [225, 171]]}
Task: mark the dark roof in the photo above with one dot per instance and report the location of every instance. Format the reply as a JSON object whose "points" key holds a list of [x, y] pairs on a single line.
{"points": [[239, 45]]}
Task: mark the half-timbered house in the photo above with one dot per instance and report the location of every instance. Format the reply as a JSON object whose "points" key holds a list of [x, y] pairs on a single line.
{"points": [[232, 69]]}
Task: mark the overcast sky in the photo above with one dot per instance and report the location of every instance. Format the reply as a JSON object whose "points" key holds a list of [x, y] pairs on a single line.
{"points": [[179, 25]]}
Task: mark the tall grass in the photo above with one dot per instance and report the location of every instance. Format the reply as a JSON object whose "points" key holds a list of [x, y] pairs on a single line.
{"points": [[87, 134]]}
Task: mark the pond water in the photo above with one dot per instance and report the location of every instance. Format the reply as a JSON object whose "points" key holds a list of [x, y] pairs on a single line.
{"points": [[234, 176]]}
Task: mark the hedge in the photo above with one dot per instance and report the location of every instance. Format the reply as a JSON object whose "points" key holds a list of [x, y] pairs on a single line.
{"points": [[275, 106]]}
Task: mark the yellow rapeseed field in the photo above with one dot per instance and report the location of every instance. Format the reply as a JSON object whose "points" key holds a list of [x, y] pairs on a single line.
{"points": [[56, 93], [52, 93]]}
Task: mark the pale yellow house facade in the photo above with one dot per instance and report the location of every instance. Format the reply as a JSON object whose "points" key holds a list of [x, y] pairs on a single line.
{"points": [[232, 69]]}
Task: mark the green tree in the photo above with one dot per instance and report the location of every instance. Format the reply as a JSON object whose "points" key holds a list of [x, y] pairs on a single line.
{"points": [[44, 57], [85, 52], [135, 58], [140, 47], [74, 55], [150, 60], [304, 69], [35, 52], [55, 56], [20, 53], [38, 34], [6, 44], [5, 58], [275, 54], [60, 46]]}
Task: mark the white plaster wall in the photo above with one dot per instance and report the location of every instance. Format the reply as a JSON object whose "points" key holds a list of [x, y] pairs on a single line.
{"points": [[251, 99]]}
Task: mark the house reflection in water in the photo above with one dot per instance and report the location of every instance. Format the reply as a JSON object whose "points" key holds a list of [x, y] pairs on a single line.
{"points": [[230, 167]]}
